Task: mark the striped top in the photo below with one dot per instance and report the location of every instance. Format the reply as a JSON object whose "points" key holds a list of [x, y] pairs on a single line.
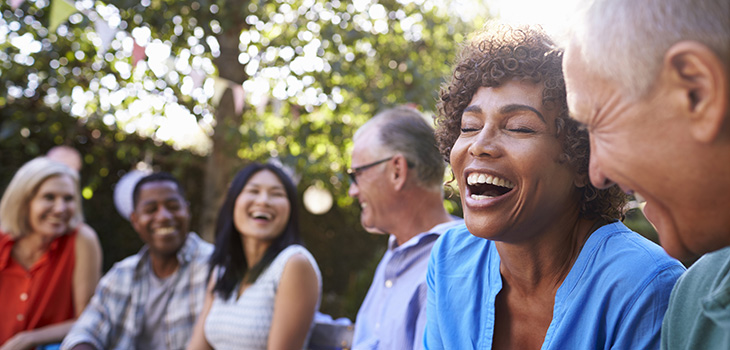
{"points": [[244, 322]]}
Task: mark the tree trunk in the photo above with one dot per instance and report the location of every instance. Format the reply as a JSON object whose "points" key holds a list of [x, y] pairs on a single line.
{"points": [[223, 161]]}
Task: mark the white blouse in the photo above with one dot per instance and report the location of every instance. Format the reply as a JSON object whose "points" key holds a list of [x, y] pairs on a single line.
{"points": [[244, 322]]}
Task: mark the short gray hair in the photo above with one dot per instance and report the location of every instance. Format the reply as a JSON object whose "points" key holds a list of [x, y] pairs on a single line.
{"points": [[404, 130], [15, 203], [625, 40]]}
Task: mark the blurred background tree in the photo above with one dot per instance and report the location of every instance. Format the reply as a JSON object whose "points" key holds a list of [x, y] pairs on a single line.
{"points": [[199, 88]]}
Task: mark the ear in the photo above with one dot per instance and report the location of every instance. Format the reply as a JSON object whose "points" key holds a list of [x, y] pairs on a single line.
{"points": [[133, 217], [703, 81], [400, 172], [581, 180]]}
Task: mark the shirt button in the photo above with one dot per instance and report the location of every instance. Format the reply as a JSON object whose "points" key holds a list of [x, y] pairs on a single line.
{"points": [[20, 317], [388, 284], [24, 297]]}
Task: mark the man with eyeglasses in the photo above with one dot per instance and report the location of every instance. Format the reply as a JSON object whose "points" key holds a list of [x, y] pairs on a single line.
{"points": [[397, 177]]}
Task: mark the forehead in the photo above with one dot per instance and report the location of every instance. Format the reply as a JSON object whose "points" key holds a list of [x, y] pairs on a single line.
{"points": [[366, 142], [56, 183], [511, 92], [158, 190], [265, 178], [585, 89]]}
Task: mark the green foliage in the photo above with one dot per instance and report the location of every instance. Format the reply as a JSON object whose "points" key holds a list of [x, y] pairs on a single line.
{"points": [[313, 71]]}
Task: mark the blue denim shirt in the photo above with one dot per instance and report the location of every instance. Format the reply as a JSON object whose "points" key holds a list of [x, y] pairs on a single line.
{"points": [[393, 314]]}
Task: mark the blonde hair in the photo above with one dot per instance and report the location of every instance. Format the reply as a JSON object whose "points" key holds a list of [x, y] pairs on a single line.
{"points": [[15, 203]]}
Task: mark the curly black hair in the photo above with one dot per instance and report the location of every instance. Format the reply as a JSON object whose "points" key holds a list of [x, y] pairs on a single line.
{"points": [[498, 54]]}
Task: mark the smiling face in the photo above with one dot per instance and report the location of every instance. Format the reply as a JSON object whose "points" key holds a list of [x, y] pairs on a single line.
{"points": [[370, 189], [53, 206], [506, 163], [161, 218], [262, 209], [644, 145]]}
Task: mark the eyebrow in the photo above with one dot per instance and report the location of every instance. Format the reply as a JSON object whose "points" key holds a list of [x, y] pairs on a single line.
{"points": [[507, 109], [518, 107]]}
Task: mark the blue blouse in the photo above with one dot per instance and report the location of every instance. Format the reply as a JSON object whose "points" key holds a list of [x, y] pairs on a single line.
{"points": [[614, 296]]}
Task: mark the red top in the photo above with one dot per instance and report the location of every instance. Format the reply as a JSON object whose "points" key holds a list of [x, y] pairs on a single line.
{"points": [[40, 296]]}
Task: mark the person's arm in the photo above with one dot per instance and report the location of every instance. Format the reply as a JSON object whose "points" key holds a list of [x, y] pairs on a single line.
{"points": [[198, 341], [30, 339], [294, 305], [87, 271]]}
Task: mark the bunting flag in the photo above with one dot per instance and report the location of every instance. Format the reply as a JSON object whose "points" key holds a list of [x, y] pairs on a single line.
{"points": [[238, 97], [14, 4], [198, 77], [220, 85], [106, 34], [60, 11], [137, 53]]}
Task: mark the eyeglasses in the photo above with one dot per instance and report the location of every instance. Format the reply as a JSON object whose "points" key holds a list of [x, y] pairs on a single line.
{"points": [[353, 172]]}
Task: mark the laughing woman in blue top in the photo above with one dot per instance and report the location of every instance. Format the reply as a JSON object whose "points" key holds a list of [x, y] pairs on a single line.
{"points": [[542, 261]]}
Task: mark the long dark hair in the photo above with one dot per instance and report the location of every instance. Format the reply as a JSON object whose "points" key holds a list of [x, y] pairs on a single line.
{"points": [[228, 254]]}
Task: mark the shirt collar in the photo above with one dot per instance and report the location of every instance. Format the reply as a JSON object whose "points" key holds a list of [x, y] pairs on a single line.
{"points": [[184, 255], [415, 240]]}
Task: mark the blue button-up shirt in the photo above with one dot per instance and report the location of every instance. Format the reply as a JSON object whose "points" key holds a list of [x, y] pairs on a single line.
{"points": [[614, 296], [393, 315]]}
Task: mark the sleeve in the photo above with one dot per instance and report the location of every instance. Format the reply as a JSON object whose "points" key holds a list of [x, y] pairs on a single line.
{"points": [[641, 326], [432, 336], [95, 323]]}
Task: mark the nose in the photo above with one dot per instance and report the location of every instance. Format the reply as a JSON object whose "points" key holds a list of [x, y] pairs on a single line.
{"points": [[163, 214], [598, 178], [354, 190], [262, 198], [61, 205], [485, 144]]}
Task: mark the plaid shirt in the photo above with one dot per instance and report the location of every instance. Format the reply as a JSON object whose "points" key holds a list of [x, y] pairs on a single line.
{"points": [[115, 314]]}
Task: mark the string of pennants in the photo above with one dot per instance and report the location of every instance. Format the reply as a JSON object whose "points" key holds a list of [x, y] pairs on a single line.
{"points": [[61, 10]]}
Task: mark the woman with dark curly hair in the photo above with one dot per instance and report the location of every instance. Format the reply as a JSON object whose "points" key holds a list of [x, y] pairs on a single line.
{"points": [[542, 260]]}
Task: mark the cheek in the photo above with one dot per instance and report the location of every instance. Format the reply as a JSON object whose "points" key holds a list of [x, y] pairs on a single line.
{"points": [[457, 155]]}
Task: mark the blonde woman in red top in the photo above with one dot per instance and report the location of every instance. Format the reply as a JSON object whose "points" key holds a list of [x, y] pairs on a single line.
{"points": [[50, 261]]}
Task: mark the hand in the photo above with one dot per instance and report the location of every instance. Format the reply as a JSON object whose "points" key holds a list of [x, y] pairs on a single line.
{"points": [[20, 341]]}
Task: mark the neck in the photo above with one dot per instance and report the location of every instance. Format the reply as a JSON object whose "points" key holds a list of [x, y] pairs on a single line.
{"points": [[254, 250], [417, 212], [164, 266], [30, 247], [540, 265]]}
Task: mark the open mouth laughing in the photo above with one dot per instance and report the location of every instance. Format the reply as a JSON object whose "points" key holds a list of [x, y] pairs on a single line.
{"points": [[484, 186], [260, 215]]}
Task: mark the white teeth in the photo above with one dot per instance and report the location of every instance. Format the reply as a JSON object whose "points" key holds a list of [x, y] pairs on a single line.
{"points": [[164, 231], [475, 178], [478, 197], [260, 214]]}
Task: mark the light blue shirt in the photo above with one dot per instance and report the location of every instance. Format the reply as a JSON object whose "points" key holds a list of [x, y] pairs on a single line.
{"points": [[393, 314], [614, 296]]}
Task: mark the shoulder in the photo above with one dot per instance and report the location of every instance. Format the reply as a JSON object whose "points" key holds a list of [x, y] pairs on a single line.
{"points": [[614, 255], [297, 254], [458, 243], [617, 244], [86, 238], [200, 249], [297, 258], [704, 275]]}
